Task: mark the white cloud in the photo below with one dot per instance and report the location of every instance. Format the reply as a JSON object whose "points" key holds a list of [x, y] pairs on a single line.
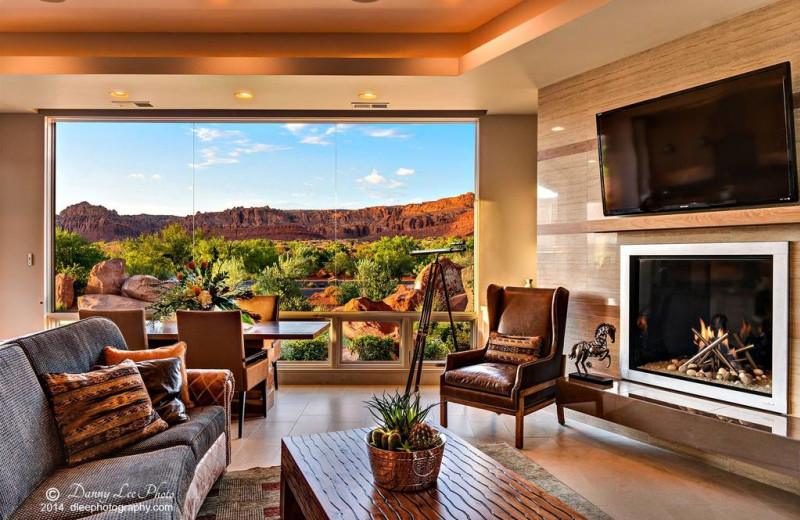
{"points": [[385, 132], [156, 177], [248, 148], [191, 188], [393, 185], [136, 176], [210, 158], [373, 178], [403, 172], [315, 139], [207, 134], [295, 128]]}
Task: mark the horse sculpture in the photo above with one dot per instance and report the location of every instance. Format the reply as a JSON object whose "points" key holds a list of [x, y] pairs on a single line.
{"points": [[597, 348]]}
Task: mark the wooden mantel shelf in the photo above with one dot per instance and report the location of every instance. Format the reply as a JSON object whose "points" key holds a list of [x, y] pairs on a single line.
{"points": [[705, 219]]}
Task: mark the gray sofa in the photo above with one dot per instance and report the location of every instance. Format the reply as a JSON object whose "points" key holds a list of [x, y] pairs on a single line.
{"points": [[164, 477]]}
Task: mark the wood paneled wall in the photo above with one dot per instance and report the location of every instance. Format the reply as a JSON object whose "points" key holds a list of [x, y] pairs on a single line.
{"points": [[588, 263]]}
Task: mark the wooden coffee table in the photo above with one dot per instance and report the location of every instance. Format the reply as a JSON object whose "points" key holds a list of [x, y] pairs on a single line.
{"points": [[328, 476]]}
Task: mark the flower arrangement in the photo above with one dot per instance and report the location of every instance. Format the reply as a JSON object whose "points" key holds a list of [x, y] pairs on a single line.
{"points": [[201, 286]]}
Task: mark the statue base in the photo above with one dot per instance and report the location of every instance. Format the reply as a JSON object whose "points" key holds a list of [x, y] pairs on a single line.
{"points": [[596, 379]]}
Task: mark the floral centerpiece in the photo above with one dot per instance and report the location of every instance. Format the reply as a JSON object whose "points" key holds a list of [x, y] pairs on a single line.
{"points": [[201, 286], [405, 452]]}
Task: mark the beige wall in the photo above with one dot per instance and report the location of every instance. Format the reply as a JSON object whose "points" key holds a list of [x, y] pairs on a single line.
{"points": [[21, 223], [506, 204], [588, 263]]}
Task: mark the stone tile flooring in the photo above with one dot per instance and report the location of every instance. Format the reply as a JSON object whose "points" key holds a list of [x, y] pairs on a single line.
{"points": [[626, 478]]}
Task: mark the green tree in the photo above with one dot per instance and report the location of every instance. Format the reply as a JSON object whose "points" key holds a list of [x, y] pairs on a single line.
{"points": [[256, 254], [346, 292], [75, 256], [158, 254], [374, 280], [276, 280], [393, 253], [341, 264]]}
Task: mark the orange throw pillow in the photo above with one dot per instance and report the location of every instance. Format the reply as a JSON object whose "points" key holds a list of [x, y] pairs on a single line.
{"points": [[178, 350]]}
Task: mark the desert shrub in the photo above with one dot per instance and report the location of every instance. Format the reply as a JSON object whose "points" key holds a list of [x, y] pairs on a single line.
{"points": [[75, 256], [346, 292], [275, 280], [439, 342], [373, 348], [305, 350], [374, 280], [256, 254], [393, 254], [341, 264], [158, 254]]}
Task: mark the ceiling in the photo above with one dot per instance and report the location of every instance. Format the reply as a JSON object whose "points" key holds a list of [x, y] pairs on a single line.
{"points": [[325, 16], [498, 66]]}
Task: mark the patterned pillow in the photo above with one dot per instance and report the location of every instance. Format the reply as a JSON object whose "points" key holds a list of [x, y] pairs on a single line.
{"points": [[101, 412], [513, 349], [178, 350]]}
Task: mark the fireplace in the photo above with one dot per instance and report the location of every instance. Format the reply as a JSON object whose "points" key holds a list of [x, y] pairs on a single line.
{"points": [[707, 319]]}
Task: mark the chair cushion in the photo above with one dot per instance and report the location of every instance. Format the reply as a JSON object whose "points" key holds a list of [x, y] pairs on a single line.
{"points": [[30, 448], [178, 350], [516, 350], [497, 378], [205, 425], [101, 412], [130, 480]]}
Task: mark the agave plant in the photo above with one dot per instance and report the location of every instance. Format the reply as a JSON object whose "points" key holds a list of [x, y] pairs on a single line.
{"points": [[402, 420]]}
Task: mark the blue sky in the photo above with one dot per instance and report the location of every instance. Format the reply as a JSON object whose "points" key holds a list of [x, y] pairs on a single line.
{"points": [[171, 168]]}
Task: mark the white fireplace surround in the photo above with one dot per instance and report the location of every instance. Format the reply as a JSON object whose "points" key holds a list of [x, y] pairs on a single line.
{"points": [[780, 309]]}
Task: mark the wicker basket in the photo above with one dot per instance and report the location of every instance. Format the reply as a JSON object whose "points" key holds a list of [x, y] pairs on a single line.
{"points": [[404, 471]]}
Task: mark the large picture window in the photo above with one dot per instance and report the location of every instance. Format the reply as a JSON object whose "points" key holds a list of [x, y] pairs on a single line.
{"points": [[323, 214]]}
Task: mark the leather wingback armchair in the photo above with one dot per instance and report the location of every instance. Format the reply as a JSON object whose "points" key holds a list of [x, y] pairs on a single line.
{"points": [[507, 388]]}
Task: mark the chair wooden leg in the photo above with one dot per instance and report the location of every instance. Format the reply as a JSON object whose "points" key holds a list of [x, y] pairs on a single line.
{"points": [[443, 413], [264, 389], [275, 374], [560, 413], [242, 403], [520, 433]]}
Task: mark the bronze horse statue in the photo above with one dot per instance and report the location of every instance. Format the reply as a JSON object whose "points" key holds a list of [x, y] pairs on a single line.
{"points": [[597, 348]]}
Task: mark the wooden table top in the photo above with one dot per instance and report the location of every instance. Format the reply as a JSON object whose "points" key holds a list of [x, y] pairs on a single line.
{"points": [[260, 331], [329, 476]]}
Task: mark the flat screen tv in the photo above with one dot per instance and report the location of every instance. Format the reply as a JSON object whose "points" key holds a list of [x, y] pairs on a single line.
{"points": [[725, 144]]}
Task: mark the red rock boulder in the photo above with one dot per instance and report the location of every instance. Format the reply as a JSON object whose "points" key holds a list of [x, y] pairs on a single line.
{"points": [[142, 287], [405, 299], [64, 292], [107, 277]]}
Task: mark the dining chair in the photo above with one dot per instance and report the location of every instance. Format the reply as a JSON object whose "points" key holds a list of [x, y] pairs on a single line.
{"points": [[268, 308], [131, 322], [214, 340]]}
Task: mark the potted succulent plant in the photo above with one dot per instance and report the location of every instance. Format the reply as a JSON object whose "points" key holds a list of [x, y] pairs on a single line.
{"points": [[405, 452]]}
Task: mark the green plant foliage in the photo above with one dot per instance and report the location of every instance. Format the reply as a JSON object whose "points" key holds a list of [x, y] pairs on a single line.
{"points": [[347, 291], [158, 254], [374, 280], [280, 279], [402, 422], [255, 254], [370, 347], [393, 254], [341, 264], [439, 341], [306, 350], [75, 256]]}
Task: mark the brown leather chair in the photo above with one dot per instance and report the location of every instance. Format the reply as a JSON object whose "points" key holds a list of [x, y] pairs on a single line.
{"points": [[268, 308], [507, 388], [132, 324], [214, 340]]}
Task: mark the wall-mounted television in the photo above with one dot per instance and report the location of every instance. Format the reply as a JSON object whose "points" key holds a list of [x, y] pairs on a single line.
{"points": [[724, 144]]}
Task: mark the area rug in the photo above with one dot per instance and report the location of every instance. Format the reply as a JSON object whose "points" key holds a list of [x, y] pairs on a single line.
{"points": [[255, 494]]}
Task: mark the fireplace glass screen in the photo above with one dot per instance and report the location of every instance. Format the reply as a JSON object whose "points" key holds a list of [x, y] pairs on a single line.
{"points": [[706, 319]]}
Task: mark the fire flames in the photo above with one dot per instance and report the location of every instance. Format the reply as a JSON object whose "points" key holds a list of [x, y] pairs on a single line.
{"points": [[708, 334]]}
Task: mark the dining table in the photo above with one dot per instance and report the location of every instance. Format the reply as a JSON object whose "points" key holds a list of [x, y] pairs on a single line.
{"points": [[257, 337]]}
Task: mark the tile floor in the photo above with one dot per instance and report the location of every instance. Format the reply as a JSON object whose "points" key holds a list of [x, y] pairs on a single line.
{"points": [[628, 479]]}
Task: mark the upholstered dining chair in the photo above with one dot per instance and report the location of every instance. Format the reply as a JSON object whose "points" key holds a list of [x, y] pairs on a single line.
{"points": [[214, 340], [131, 322], [507, 376], [268, 308]]}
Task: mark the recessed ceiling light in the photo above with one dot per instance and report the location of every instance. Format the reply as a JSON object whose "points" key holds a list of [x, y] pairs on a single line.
{"points": [[53, 1], [119, 94], [558, 129], [368, 95], [592, 161], [365, 1], [243, 94]]}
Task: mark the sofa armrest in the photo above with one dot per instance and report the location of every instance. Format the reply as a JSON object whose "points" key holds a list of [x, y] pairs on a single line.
{"points": [[463, 359], [213, 387], [537, 372]]}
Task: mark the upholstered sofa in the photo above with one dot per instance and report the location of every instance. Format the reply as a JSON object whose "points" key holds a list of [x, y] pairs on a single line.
{"points": [[166, 476]]}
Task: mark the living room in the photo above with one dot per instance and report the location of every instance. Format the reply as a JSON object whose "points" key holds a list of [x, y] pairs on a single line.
{"points": [[607, 191]]}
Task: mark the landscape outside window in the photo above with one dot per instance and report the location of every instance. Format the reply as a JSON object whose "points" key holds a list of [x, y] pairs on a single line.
{"points": [[325, 215]]}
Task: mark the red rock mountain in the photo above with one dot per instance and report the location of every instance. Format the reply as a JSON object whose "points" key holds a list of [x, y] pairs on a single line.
{"points": [[452, 216]]}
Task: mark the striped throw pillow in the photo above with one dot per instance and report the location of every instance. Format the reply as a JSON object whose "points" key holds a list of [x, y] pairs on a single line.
{"points": [[101, 412], [513, 349]]}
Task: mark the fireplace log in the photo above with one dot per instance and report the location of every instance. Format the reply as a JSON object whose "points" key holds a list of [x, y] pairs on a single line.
{"points": [[723, 359], [711, 346]]}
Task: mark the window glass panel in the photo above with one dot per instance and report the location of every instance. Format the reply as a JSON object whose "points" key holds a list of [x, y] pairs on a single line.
{"points": [[439, 341], [364, 341], [306, 350]]}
